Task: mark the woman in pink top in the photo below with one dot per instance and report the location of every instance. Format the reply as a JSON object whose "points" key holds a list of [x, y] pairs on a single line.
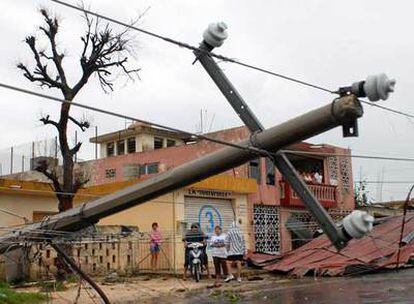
{"points": [[155, 243]]}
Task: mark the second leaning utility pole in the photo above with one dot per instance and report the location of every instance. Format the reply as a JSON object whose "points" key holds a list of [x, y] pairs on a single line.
{"points": [[213, 37]]}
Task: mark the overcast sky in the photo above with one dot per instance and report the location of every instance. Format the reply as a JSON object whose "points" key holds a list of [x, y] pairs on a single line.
{"points": [[330, 43]]}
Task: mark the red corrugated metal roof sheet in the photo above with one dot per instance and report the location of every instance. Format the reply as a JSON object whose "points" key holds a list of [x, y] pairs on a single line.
{"points": [[377, 250]]}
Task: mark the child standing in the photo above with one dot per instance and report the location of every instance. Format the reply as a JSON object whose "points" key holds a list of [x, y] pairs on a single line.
{"points": [[155, 243]]}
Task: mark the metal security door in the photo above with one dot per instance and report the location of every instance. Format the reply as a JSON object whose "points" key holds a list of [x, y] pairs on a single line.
{"points": [[208, 213], [266, 229]]}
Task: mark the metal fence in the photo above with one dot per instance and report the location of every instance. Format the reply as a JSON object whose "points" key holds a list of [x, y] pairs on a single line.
{"points": [[21, 158], [126, 256]]}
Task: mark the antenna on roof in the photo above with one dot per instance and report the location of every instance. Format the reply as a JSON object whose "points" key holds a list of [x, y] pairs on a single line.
{"points": [[211, 123]]}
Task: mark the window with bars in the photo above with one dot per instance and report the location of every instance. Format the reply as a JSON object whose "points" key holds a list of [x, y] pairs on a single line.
{"points": [[148, 169], [131, 145], [158, 142], [110, 149], [142, 169], [110, 173], [152, 168], [120, 147]]}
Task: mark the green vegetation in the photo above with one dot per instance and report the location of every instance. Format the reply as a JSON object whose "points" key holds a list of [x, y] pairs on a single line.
{"points": [[362, 196], [226, 296], [72, 279], [9, 296]]}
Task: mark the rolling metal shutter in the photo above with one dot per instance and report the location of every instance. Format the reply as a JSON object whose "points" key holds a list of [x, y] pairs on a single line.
{"points": [[208, 213]]}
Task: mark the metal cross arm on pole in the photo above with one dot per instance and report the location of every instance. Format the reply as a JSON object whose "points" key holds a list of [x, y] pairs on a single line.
{"points": [[272, 139], [214, 36]]}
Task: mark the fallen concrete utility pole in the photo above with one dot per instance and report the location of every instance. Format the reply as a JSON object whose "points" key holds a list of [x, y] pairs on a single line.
{"points": [[297, 129]]}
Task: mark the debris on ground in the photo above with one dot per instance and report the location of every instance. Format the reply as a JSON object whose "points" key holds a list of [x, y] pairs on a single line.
{"points": [[112, 277], [255, 278], [376, 251], [262, 259]]}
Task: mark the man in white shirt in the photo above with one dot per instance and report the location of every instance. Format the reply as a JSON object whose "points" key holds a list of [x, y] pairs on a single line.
{"points": [[318, 177], [219, 253]]}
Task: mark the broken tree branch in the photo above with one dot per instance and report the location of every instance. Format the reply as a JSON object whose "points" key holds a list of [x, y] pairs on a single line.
{"points": [[47, 121], [83, 124]]}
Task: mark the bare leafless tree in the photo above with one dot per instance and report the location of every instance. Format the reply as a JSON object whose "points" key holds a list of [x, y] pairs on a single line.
{"points": [[104, 52]]}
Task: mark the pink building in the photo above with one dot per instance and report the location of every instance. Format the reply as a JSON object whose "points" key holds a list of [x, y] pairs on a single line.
{"points": [[277, 218]]}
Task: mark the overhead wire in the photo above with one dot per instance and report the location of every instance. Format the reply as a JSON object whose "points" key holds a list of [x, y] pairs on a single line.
{"points": [[99, 110], [192, 135], [181, 44], [387, 108], [383, 182], [221, 57], [405, 159]]}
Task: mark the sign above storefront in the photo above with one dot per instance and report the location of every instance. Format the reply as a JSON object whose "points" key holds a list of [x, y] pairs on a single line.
{"points": [[209, 193]]}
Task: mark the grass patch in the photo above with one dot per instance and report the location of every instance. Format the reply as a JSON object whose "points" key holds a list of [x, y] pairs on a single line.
{"points": [[9, 296], [226, 296], [72, 279]]}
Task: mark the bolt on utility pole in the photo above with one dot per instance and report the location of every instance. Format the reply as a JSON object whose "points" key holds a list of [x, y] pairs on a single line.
{"points": [[292, 131], [214, 36]]}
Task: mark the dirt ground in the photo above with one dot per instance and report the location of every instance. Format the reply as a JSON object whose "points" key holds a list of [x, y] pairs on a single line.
{"points": [[153, 289], [258, 287]]}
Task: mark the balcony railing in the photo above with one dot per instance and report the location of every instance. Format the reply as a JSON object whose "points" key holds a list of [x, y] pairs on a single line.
{"points": [[326, 195]]}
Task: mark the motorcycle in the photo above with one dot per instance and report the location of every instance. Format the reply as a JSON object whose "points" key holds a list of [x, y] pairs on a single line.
{"points": [[196, 260]]}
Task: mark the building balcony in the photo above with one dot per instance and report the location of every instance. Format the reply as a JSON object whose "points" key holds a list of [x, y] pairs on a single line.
{"points": [[326, 195]]}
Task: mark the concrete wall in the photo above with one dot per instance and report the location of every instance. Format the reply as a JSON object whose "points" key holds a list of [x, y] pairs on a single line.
{"points": [[159, 210], [24, 204]]}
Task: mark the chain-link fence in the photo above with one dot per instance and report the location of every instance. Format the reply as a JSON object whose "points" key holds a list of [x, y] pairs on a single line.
{"points": [[24, 157], [20, 158]]}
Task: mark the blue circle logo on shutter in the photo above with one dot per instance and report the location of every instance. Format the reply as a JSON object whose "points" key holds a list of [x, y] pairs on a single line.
{"points": [[209, 217]]}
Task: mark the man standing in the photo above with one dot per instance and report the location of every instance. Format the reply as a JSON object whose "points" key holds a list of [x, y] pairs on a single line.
{"points": [[195, 235], [236, 249]]}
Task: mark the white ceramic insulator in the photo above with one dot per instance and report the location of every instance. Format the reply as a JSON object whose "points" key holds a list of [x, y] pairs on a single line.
{"points": [[378, 87], [215, 34], [358, 223]]}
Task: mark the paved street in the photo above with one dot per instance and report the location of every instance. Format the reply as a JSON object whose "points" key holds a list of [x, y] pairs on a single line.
{"points": [[377, 288]]}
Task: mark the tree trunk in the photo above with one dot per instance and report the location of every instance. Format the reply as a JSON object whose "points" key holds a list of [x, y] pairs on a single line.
{"points": [[66, 198]]}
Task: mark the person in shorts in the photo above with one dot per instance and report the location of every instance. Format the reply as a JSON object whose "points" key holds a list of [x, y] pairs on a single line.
{"points": [[155, 243], [219, 254], [236, 249]]}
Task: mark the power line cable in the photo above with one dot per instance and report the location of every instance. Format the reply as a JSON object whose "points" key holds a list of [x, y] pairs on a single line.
{"points": [[387, 109], [221, 57], [405, 159], [384, 182], [99, 110], [191, 134]]}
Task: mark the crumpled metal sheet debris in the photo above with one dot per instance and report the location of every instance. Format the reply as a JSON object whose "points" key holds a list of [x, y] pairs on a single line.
{"points": [[376, 251]]}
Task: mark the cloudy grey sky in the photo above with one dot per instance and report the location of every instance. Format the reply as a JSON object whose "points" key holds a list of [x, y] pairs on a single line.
{"points": [[330, 43]]}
